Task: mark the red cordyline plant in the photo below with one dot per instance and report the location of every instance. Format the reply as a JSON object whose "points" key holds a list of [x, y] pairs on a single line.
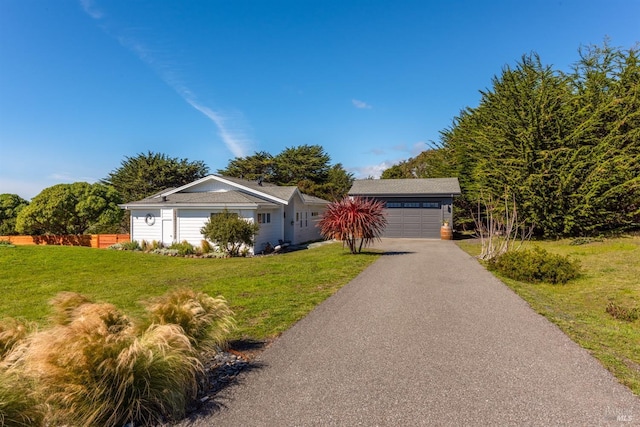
{"points": [[353, 219]]}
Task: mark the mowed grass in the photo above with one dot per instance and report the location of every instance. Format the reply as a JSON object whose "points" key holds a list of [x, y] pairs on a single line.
{"points": [[267, 294], [610, 273]]}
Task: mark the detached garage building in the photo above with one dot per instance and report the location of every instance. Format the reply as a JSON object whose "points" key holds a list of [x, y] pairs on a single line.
{"points": [[414, 207]]}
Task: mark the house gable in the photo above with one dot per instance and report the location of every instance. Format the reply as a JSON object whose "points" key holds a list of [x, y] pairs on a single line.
{"points": [[216, 183]]}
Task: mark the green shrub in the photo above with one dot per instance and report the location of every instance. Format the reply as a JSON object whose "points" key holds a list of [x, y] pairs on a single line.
{"points": [[620, 312], [229, 232], [6, 244], [166, 251], [132, 245], [535, 265], [204, 319], [183, 248]]}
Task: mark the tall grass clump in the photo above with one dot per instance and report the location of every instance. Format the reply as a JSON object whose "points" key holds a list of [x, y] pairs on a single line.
{"points": [[19, 404], [95, 366], [204, 319], [12, 332], [206, 246]]}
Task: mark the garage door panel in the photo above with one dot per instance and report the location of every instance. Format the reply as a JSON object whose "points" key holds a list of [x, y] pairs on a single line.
{"points": [[413, 222]]}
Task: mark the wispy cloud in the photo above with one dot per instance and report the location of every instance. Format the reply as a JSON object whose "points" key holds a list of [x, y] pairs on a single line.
{"points": [[413, 149], [67, 177], [370, 171], [232, 134], [91, 9], [361, 104]]}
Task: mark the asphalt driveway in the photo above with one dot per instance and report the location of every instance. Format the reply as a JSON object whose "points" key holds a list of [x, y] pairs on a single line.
{"points": [[425, 336]]}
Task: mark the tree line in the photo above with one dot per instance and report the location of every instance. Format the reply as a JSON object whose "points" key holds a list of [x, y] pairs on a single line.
{"points": [[564, 145], [83, 208]]}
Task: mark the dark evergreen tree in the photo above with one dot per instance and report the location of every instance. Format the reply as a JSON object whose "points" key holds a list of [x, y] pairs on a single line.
{"points": [[566, 145], [259, 165], [146, 174]]}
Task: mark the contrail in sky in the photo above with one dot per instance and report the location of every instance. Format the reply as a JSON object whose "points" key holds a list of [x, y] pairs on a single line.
{"points": [[235, 140]]}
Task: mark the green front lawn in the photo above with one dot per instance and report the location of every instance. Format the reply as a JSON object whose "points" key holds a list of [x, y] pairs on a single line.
{"points": [[268, 294], [610, 273]]}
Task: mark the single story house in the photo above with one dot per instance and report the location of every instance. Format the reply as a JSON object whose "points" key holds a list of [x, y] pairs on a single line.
{"points": [[413, 207], [178, 214]]}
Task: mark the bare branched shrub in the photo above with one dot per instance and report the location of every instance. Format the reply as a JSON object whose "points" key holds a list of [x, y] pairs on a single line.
{"points": [[498, 226], [204, 319]]}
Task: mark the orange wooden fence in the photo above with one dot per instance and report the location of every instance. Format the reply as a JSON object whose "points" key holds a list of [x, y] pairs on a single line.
{"points": [[93, 240]]}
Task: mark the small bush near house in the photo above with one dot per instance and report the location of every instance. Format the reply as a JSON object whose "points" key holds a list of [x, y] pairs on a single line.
{"points": [[133, 245], [183, 248], [166, 251], [230, 232], [535, 265], [206, 246], [620, 312]]}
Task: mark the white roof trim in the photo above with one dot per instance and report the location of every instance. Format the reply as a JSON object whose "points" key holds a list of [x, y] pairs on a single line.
{"points": [[191, 206], [231, 183]]}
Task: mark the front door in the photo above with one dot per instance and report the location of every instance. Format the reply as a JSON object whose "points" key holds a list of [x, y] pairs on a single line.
{"points": [[167, 231]]}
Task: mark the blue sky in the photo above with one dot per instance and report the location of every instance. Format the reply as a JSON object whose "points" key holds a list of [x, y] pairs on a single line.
{"points": [[85, 83]]}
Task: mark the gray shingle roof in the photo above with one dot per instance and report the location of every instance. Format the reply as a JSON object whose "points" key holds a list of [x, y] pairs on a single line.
{"points": [[202, 198], [281, 192], [313, 199], [235, 197], [422, 186]]}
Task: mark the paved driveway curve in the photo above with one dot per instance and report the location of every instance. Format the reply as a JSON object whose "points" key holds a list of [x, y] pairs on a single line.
{"points": [[425, 336]]}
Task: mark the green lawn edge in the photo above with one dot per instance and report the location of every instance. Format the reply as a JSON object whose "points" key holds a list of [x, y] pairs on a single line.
{"points": [[268, 294], [610, 271]]}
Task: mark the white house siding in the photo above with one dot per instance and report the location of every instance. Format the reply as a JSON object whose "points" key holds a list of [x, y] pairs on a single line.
{"points": [[143, 229], [190, 222], [304, 227], [211, 186], [269, 232]]}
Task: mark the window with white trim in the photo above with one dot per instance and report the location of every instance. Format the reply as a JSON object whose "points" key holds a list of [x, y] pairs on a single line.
{"points": [[264, 218]]}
